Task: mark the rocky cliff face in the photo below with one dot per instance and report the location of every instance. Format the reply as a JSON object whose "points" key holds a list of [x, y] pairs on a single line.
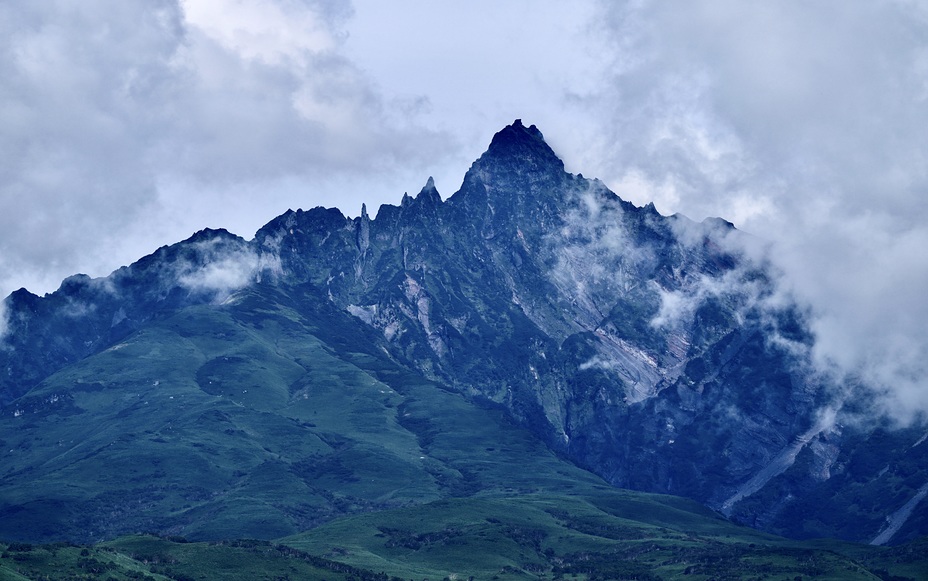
{"points": [[639, 345], [649, 349]]}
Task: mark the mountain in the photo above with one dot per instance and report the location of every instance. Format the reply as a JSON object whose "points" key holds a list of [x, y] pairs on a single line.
{"points": [[533, 333]]}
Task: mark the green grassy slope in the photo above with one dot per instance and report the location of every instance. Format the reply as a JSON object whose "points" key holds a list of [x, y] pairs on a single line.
{"points": [[615, 535], [157, 559], [240, 421], [621, 535]]}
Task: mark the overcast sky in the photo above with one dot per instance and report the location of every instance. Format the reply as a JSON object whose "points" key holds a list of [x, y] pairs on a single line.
{"points": [[129, 124]]}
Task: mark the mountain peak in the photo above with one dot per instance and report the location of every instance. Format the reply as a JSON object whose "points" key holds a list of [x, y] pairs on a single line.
{"points": [[517, 128], [518, 174], [519, 141], [429, 192], [209, 234]]}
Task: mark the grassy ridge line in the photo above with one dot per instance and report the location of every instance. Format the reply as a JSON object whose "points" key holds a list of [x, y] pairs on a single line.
{"points": [[151, 558], [624, 535], [511, 538]]}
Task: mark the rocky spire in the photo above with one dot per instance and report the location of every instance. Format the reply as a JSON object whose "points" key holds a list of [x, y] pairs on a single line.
{"points": [[429, 193]]}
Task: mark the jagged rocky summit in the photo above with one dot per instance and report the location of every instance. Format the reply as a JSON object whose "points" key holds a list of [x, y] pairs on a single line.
{"points": [[644, 348]]}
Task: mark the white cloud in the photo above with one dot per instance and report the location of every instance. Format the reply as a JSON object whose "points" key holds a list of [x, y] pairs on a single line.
{"points": [[4, 321], [268, 31], [222, 269], [803, 123], [596, 259], [127, 125]]}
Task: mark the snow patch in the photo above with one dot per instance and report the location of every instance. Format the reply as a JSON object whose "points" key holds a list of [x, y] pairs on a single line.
{"points": [[895, 521], [366, 313], [420, 299], [781, 462], [639, 370], [920, 440]]}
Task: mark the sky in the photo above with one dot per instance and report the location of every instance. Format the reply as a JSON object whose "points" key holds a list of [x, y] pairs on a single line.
{"points": [[129, 124]]}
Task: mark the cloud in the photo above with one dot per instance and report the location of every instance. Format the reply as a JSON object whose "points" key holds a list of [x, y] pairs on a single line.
{"points": [[596, 257], [4, 322], [803, 123], [866, 284], [126, 123], [222, 268], [69, 154], [271, 32]]}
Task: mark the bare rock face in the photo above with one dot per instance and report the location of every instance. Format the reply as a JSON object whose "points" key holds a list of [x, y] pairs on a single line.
{"points": [[645, 348]]}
